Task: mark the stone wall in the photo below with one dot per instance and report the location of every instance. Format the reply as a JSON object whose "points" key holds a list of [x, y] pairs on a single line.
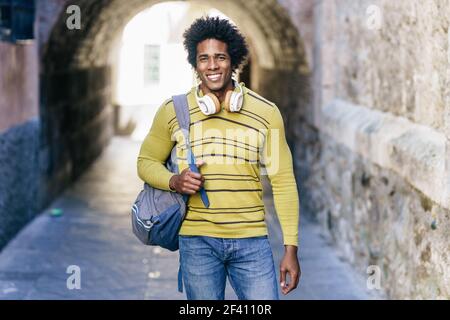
{"points": [[399, 66], [76, 108], [19, 177], [76, 115], [376, 217], [19, 136], [377, 177], [18, 84], [53, 123]]}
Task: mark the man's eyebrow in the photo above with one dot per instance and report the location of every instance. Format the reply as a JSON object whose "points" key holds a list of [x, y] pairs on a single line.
{"points": [[216, 54]]}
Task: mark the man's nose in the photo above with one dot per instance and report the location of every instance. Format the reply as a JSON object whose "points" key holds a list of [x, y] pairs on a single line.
{"points": [[212, 64]]}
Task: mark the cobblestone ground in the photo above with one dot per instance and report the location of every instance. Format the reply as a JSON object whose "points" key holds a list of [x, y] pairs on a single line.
{"points": [[94, 234]]}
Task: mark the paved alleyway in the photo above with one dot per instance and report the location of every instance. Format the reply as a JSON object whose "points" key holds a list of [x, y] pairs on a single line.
{"points": [[94, 233]]}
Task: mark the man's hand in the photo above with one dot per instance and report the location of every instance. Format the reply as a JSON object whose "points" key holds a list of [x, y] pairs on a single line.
{"points": [[289, 264], [187, 182]]}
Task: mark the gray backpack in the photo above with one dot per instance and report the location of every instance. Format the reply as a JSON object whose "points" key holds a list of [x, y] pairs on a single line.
{"points": [[156, 214]]}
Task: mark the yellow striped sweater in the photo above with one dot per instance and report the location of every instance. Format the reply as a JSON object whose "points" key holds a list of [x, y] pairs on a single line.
{"points": [[237, 148]]}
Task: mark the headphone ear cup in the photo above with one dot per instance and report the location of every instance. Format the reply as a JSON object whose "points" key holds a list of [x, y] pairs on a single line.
{"points": [[236, 100], [215, 103], [227, 101]]}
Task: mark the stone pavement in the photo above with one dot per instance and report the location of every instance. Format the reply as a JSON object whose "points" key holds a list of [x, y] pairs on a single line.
{"points": [[94, 234]]}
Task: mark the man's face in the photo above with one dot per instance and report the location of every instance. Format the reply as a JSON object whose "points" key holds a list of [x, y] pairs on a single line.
{"points": [[214, 65]]}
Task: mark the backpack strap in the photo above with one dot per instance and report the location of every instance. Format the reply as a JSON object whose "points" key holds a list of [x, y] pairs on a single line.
{"points": [[183, 117], [182, 112]]}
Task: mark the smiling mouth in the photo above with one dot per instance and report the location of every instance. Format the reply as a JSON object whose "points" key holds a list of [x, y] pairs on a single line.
{"points": [[214, 77]]}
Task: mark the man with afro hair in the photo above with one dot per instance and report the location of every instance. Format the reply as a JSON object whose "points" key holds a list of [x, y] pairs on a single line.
{"points": [[237, 135]]}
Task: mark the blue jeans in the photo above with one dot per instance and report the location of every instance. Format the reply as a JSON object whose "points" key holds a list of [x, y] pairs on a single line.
{"points": [[248, 263]]}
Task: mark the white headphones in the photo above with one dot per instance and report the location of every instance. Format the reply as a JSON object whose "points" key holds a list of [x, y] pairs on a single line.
{"points": [[210, 104]]}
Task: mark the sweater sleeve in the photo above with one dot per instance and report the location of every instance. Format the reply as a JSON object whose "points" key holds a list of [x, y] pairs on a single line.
{"points": [[279, 168], [154, 152]]}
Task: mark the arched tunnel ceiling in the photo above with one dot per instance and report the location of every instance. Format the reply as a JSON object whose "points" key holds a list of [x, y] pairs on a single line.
{"points": [[270, 32]]}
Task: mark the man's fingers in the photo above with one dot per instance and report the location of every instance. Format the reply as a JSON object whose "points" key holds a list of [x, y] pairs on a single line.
{"points": [[195, 182], [282, 277], [191, 187], [293, 280], [194, 175], [298, 278], [292, 283], [189, 191], [185, 171]]}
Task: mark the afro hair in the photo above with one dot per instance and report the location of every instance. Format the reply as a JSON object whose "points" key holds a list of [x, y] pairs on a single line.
{"points": [[219, 29]]}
